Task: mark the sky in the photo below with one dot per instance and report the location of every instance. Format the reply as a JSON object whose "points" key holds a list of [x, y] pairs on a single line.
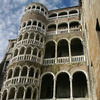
{"points": [[11, 12]]}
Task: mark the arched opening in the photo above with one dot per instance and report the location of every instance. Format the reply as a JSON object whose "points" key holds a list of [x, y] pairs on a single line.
{"points": [[62, 48], [12, 45], [63, 86], [39, 24], [20, 92], [41, 39], [10, 73], [26, 36], [38, 7], [42, 9], [74, 25], [76, 47], [29, 8], [50, 50], [31, 36], [24, 24], [35, 94], [39, 55], [20, 38], [62, 26], [53, 15], [24, 71], [43, 27], [34, 22], [47, 87], [73, 12], [28, 51], [29, 23], [31, 72], [28, 93], [35, 51], [52, 27], [37, 74], [16, 52], [37, 37], [62, 13], [4, 96], [16, 72], [33, 7], [22, 50], [80, 85], [12, 93]]}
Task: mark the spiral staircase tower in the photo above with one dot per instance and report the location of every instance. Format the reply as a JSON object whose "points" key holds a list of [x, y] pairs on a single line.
{"points": [[23, 72]]}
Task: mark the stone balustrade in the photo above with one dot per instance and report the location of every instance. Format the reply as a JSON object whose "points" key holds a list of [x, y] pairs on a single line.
{"points": [[21, 80], [64, 60]]}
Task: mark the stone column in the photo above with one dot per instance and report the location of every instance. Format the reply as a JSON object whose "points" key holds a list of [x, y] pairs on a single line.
{"points": [[15, 95], [68, 27], [55, 52], [69, 45], [19, 75], [54, 88], [71, 89], [27, 75], [24, 94], [56, 28]]}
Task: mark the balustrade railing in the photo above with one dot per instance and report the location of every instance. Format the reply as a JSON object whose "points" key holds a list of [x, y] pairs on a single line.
{"points": [[27, 57], [32, 27], [62, 31], [74, 29], [51, 32], [22, 80], [29, 41], [64, 60]]}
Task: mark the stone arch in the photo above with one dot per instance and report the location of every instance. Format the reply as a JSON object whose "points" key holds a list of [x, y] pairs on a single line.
{"points": [[53, 15], [28, 50], [50, 49], [33, 6], [34, 22], [31, 35], [47, 85], [37, 37], [51, 27], [35, 50], [74, 11], [62, 25], [20, 92], [15, 52], [37, 74], [10, 72], [39, 24], [62, 13], [31, 71], [25, 36], [4, 95], [62, 85], [12, 93], [80, 88], [20, 38], [24, 24], [17, 71], [24, 71], [29, 23], [28, 93], [76, 47], [62, 48], [22, 50]]}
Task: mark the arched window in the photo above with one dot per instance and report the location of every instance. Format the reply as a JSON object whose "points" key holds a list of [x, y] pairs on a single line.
{"points": [[43, 27], [73, 12], [31, 72], [10, 73], [80, 85], [4, 96], [26, 36], [29, 23], [28, 51], [39, 24], [20, 92], [32, 36], [53, 15], [62, 13], [20, 38], [50, 50], [16, 72], [62, 26], [76, 47], [52, 27], [24, 71], [22, 50], [34, 22], [35, 52], [47, 87], [37, 74], [74, 24], [38, 7], [42, 9], [28, 93], [35, 94], [62, 48], [12, 93], [37, 37], [16, 52], [24, 24], [63, 86], [33, 7], [39, 55], [41, 39], [29, 8]]}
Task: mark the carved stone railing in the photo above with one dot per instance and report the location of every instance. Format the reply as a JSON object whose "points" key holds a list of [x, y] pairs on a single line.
{"points": [[62, 31], [32, 27], [28, 42], [64, 60], [27, 57], [21, 80], [74, 29]]}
